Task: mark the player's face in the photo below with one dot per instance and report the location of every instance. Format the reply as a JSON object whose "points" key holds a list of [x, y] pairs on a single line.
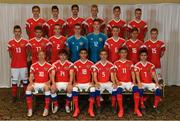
{"points": [[38, 33], [117, 12], [123, 54], [77, 30], [94, 11], [36, 12], [138, 14], [143, 57], [63, 57], [75, 11], [115, 32], [83, 55], [96, 25], [41, 56], [55, 12], [134, 34], [154, 35], [103, 55], [17, 32], [57, 30]]}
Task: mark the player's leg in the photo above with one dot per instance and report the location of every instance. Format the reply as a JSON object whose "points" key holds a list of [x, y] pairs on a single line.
{"points": [[75, 100], [92, 91], [24, 78], [29, 99], [47, 99], [98, 92], [120, 101], [54, 99], [68, 98], [14, 82], [141, 93]]}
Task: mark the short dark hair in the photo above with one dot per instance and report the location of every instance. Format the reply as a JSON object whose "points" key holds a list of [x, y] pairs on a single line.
{"points": [[17, 27], [134, 29], [54, 7], [74, 6], [57, 25], [38, 28], [123, 48], [138, 9], [97, 20], [63, 51], [94, 6], [116, 7], [154, 30], [36, 7], [115, 27], [78, 24], [83, 49], [103, 50], [143, 50]]}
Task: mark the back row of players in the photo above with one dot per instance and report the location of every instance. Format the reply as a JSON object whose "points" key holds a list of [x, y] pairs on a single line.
{"points": [[20, 48]]}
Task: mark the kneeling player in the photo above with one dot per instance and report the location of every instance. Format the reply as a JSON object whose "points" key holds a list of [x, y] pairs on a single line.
{"points": [[39, 81], [83, 81], [125, 78], [62, 78], [104, 78], [145, 74]]}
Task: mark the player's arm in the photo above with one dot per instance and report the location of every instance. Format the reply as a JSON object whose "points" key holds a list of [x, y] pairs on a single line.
{"points": [[71, 79], [162, 50], [116, 79], [137, 74], [154, 75], [133, 77], [113, 79], [95, 79], [27, 28], [52, 77], [31, 79]]}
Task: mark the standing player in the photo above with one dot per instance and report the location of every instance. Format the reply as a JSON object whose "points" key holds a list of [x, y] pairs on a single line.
{"points": [[117, 21], [55, 20], [31, 23], [113, 44], [17, 48], [96, 41], [62, 79], [76, 42], [145, 74], [89, 21], [125, 79], [104, 79], [83, 81], [38, 43], [141, 25], [58, 42], [134, 46], [39, 81], [75, 19], [156, 49]]}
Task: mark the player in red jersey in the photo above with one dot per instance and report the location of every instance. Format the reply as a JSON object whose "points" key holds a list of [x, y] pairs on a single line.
{"points": [[58, 42], [138, 23], [134, 46], [39, 81], [89, 21], [104, 79], [62, 79], [36, 20], [145, 74], [75, 19], [83, 81], [117, 21], [156, 49], [125, 79], [55, 20], [113, 44], [17, 48], [38, 43]]}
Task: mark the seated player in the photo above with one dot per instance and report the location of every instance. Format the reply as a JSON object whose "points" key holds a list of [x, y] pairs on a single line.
{"points": [[145, 74], [17, 48], [54, 21], [156, 49], [36, 20], [104, 79], [113, 44], [126, 81], [38, 43], [76, 42], [83, 81], [134, 46], [117, 21], [62, 79], [57, 43], [96, 41], [39, 80]]}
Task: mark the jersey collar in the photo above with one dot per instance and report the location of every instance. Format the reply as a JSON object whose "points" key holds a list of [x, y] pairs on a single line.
{"points": [[82, 61], [57, 37], [39, 39], [117, 20], [17, 40], [62, 63], [41, 64], [137, 21], [122, 61], [35, 19], [144, 64], [153, 41], [133, 41], [75, 18], [115, 40], [104, 63], [54, 19]]}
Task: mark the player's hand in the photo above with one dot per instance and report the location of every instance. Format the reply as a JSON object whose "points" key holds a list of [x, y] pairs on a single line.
{"points": [[97, 85], [119, 83], [53, 86], [140, 85], [69, 87], [114, 85], [157, 85]]}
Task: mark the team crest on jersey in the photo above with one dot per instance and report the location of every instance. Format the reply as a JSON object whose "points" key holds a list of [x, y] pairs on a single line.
{"points": [[22, 45], [73, 43], [149, 69], [88, 66], [42, 44], [66, 68], [81, 43], [100, 39], [45, 68], [91, 38]]}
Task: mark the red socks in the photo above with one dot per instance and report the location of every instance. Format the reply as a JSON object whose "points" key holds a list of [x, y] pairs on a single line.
{"points": [[156, 101], [98, 101], [113, 101], [14, 90]]}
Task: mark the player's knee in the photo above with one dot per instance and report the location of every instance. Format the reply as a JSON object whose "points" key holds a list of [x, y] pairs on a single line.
{"points": [[114, 92], [158, 92], [92, 92], [46, 88], [29, 88], [75, 91], [119, 90], [141, 92], [135, 89]]}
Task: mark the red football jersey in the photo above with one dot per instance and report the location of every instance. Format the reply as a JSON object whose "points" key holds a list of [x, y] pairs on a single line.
{"points": [[63, 70], [70, 22], [145, 71], [141, 26], [36, 46], [57, 43], [120, 23], [41, 72], [124, 70], [103, 71], [31, 23], [18, 50], [89, 24], [154, 51], [133, 49], [113, 47], [83, 71], [50, 24]]}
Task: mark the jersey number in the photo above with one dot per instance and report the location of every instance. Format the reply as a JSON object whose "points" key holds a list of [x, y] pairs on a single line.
{"points": [[62, 73], [134, 50], [18, 50], [154, 50], [41, 74], [84, 71], [124, 70], [38, 48]]}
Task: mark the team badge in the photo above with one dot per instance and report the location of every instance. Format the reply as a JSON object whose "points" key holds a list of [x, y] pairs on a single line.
{"points": [[149, 69], [66, 68], [81, 43], [96, 44], [42, 44], [88, 66], [22, 45], [100, 39], [45, 68], [91, 38]]}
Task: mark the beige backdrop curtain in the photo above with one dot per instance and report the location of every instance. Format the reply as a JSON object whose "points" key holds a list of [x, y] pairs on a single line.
{"points": [[166, 17]]}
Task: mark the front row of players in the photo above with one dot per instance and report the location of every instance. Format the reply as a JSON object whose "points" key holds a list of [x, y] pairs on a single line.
{"points": [[83, 75]]}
